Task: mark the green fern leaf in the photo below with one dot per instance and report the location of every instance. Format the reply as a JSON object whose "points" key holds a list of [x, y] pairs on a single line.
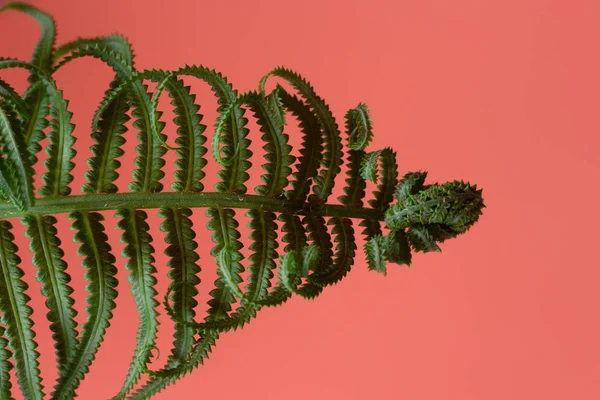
{"points": [[293, 191], [456, 205], [183, 274], [359, 127], [277, 157], [48, 258], [311, 150], [116, 43], [108, 140], [396, 248], [5, 367], [264, 245], [332, 157], [15, 168], [190, 139], [344, 253], [16, 316], [60, 151], [225, 236], [42, 55], [319, 236], [140, 263], [410, 184], [375, 252], [100, 273]]}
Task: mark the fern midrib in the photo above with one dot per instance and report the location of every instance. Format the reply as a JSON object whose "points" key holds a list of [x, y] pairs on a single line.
{"points": [[58, 296], [27, 352], [139, 200]]}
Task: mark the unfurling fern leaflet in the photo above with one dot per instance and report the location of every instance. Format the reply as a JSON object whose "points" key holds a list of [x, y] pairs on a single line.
{"points": [[299, 240]]}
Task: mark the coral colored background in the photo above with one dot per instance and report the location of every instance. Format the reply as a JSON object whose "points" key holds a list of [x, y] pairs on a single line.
{"points": [[502, 93]]}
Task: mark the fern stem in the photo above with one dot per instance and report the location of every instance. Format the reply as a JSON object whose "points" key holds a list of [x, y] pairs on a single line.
{"points": [[114, 201]]}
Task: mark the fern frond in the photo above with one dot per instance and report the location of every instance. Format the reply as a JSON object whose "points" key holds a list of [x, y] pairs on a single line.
{"points": [[375, 252], [183, 274], [226, 236], [48, 257], [140, 263], [108, 138], [60, 151], [33, 132], [150, 150], [294, 193], [15, 168], [16, 316], [190, 139], [264, 247], [102, 283]]}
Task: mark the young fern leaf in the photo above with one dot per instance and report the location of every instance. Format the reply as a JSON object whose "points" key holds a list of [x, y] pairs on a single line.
{"points": [[16, 316], [5, 367], [419, 217], [359, 127]]}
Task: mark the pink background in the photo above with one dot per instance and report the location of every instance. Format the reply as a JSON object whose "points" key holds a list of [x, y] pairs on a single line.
{"points": [[502, 93]]}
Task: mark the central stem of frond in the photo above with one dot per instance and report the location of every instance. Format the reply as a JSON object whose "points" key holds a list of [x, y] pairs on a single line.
{"points": [[114, 201]]}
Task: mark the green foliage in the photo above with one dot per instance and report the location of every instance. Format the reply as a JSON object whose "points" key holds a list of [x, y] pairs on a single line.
{"points": [[299, 242]]}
